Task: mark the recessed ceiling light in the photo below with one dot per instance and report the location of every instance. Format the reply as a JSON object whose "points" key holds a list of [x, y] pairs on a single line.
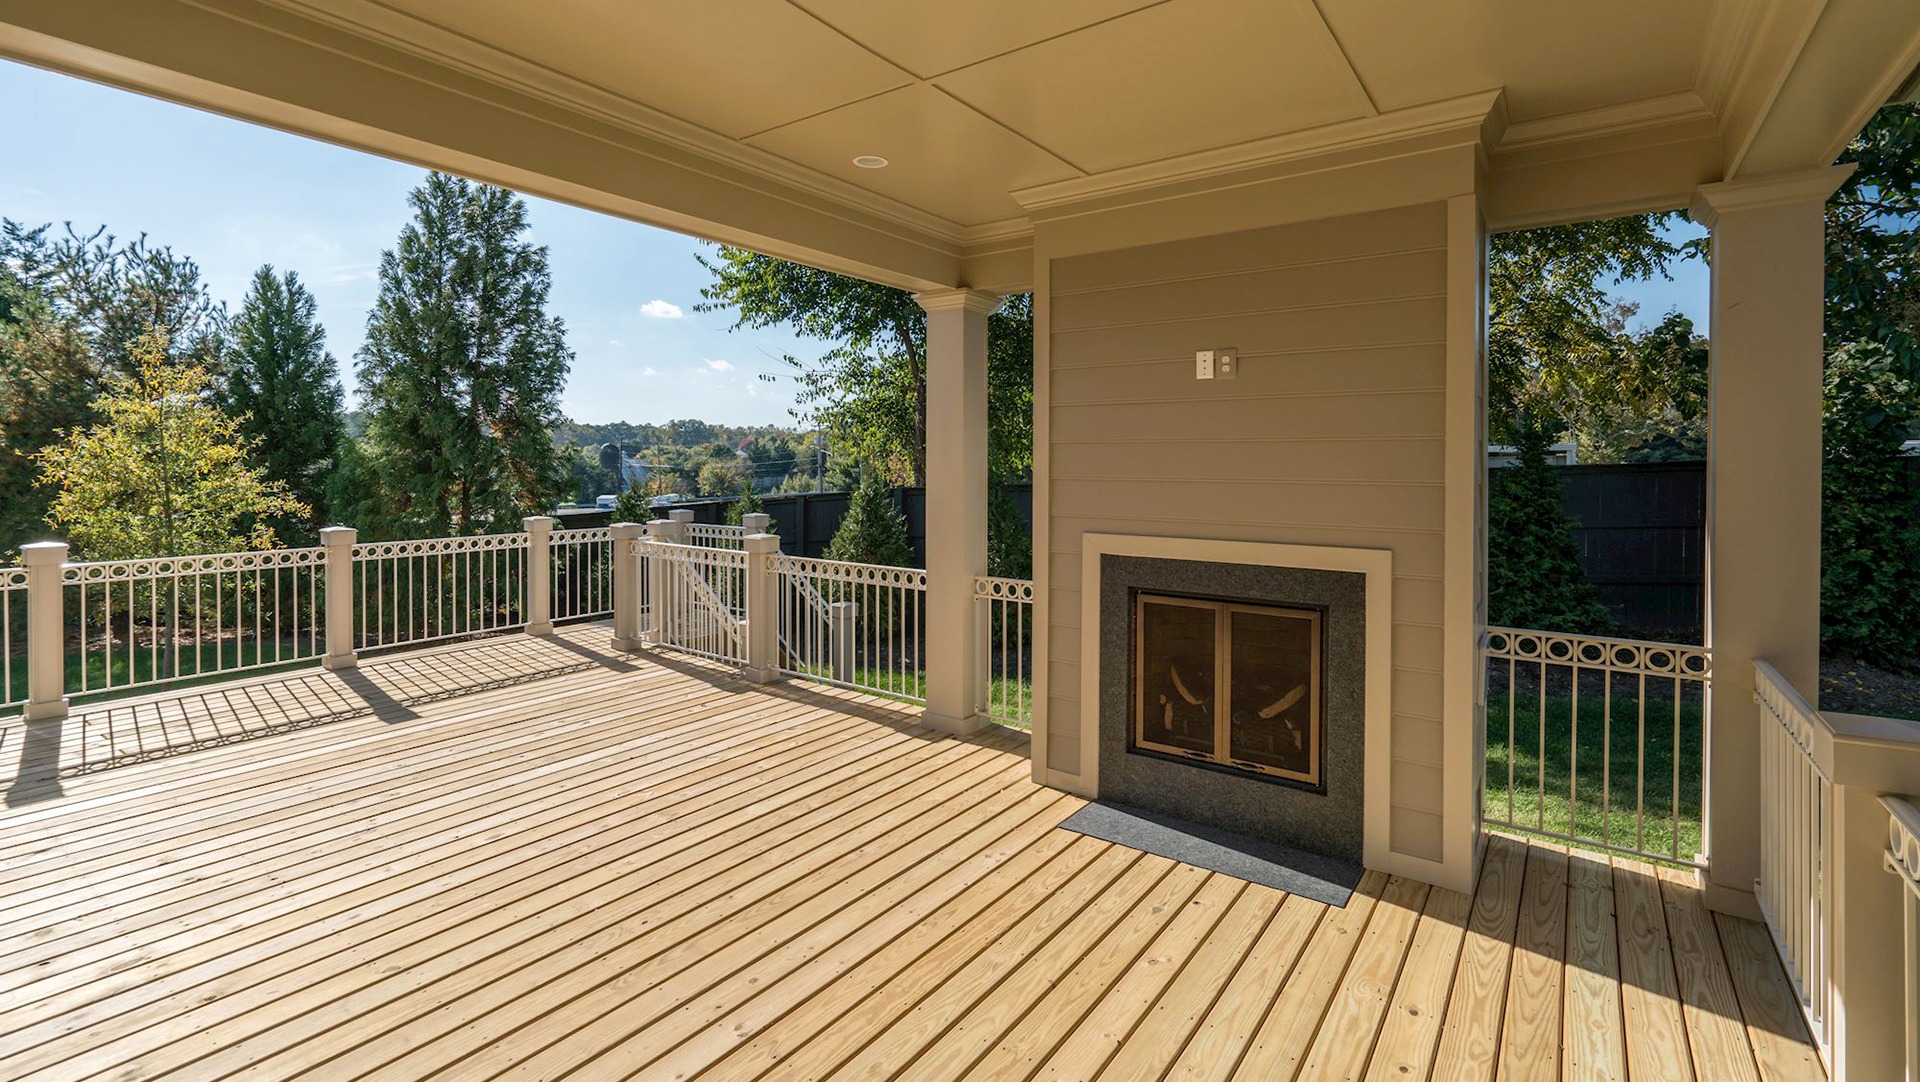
{"points": [[870, 161]]}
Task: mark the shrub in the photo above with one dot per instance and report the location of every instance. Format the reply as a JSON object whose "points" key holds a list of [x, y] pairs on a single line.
{"points": [[1534, 578], [1868, 582], [1009, 545], [873, 531], [749, 503]]}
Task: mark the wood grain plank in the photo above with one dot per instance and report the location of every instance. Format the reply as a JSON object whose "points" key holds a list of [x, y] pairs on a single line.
{"points": [[1777, 1031], [1346, 1039], [1592, 1043], [1716, 1031], [1288, 1030], [1656, 1035], [1530, 1038], [1410, 1036], [1470, 1038], [1216, 1048]]}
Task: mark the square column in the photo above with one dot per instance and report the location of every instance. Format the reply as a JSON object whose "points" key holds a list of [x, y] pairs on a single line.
{"points": [[1763, 485], [956, 500]]}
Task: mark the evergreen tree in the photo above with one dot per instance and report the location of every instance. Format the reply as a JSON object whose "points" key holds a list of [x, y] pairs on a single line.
{"points": [[281, 382], [873, 531], [749, 503], [1534, 578], [1869, 584], [463, 368], [1009, 545]]}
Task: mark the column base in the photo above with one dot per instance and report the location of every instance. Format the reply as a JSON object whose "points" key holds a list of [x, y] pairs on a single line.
{"points": [[340, 662], [762, 676], [626, 645], [1732, 901], [53, 710], [958, 726], [542, 628]]}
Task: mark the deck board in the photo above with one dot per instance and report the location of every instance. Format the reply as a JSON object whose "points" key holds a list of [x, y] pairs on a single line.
{"points": [[536, 857]]}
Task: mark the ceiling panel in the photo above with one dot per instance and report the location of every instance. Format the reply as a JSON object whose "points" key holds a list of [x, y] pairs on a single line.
{"points": [[1553, 56], [1182, 76], [736, 66], [928, 39], [943, 157]]}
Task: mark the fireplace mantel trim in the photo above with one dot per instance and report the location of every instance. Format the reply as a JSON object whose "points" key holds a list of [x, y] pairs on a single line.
{"points": [[1375, 564]]}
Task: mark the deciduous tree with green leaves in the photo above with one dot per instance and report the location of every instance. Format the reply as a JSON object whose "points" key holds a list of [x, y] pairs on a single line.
{"points": [[869, 390], [164, 472], [462, 368], [281, 383], [70, 304]]}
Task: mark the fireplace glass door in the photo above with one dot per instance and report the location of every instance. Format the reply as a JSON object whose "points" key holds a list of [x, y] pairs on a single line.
{"points": [[1233, 684]]}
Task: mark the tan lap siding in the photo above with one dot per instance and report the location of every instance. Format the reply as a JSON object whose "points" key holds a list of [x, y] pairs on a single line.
{"points": [[1333, 434]]}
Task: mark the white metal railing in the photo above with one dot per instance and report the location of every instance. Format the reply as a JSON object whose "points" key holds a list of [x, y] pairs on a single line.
{"points": [[715, 535], [139, 622], [697, 599], [1003, 610], [1903, 860], [852, 625], [1796, 885], [412, 592], [13, 636], [1597, 741], [582, 569]]}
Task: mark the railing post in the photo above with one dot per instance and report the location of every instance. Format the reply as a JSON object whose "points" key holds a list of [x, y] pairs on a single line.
{"points": [[841, 617], [339, 541], [757, 522], [539, 574], [46, 631], [659, 591], [763, 607], [681, 515], [626, 585]]}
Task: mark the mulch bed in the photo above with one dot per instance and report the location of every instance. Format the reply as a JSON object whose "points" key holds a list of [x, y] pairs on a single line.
{"points": [[1855, 687]]}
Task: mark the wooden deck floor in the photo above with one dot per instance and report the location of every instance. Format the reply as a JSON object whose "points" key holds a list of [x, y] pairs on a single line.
{"points": [[626, 868]]}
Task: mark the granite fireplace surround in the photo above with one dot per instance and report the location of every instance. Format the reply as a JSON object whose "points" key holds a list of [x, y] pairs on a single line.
{"points": [[1328, 821]]}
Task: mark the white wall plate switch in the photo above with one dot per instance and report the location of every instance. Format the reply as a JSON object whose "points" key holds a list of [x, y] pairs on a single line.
{"points": [[1203, 364]]}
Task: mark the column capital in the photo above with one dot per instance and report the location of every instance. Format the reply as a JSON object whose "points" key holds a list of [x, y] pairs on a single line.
{"points": [[971, 300], [1710, 201]]}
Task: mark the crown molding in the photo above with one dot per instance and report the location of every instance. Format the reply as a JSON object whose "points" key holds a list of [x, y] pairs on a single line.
{"points": [[1731, 32], [436, 44], [1805, 186], [970, 300], [1623, 118], [1481, 116]]}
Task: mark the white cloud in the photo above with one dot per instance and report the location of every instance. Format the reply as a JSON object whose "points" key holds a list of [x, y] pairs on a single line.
{"points": [[659, 309], [614, 342], [649, 371], [719, 365]]}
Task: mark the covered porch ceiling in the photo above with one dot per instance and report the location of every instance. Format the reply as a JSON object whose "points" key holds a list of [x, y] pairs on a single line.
{"points": [[740, 120]]}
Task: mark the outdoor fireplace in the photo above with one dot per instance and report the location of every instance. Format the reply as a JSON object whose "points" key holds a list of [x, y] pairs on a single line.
{"points": [[1229, 684], [1233, 692]]}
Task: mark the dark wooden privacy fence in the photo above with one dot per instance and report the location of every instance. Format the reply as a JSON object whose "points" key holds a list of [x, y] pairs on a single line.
{"points": [[1641, 532]]}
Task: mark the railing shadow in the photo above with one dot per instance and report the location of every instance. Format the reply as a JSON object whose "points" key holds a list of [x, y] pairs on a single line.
{"points": [[388, 688]]}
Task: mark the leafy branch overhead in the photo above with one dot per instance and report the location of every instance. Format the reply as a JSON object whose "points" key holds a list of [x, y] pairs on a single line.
{"points": [[868, 391]]}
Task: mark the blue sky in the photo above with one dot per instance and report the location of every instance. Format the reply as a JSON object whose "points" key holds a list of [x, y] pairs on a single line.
{"points": [[234, 196]]}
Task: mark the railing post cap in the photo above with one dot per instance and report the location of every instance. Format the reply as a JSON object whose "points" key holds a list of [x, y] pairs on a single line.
{"points": [[43, 552], [627, 531], [679, 514], [761, 542], [338, 535], [537, 523]]}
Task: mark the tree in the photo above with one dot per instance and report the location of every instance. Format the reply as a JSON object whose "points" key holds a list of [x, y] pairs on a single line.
{"points": [[869, 391], [749, 503], [70, 304], [1557, 351], [1670, 424], [1869, 582], [165, 472], [1873, 240], [463, 368], [1534, 578], [281, 382], [719, 477], [1009, 545], [872, 531]]}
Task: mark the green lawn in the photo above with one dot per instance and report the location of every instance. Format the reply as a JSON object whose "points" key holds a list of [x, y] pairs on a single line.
{"points": [[1580, 771], [192, 665], [912, 687]]}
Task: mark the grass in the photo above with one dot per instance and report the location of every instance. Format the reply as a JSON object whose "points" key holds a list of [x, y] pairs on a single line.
{"points": [[202, 663], [1579, 786], [911, 686]]}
